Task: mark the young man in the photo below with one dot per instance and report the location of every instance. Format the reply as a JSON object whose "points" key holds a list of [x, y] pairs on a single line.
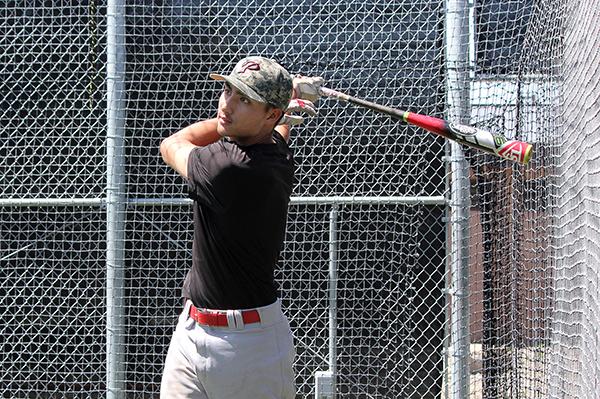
{"points": [[232, 339]]}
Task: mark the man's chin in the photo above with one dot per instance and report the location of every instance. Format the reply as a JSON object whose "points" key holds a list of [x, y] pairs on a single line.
{"points": [[221, 130]]}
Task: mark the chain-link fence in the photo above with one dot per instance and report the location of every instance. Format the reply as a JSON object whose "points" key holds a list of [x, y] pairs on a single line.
{"points": [[95, 231]]}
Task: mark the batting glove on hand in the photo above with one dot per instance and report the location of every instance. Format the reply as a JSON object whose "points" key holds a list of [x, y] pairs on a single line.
{"points": [[297, 105], [307, 87]]}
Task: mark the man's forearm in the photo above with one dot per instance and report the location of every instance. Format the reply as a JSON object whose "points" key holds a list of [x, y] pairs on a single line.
{"points": [[284, 130], [200, 133], [176, 148]]}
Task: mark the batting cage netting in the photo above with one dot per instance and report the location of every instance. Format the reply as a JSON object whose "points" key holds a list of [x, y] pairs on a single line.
{"points": [[412, 267]]}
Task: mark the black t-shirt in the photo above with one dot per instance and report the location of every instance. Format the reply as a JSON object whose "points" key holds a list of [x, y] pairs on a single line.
{"points": [[241, 196]]}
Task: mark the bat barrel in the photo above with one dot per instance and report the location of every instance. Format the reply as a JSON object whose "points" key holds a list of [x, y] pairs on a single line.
{"points": [[512, 150]]}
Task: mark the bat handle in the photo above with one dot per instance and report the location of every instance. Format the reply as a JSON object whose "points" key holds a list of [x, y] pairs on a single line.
{"points": [[333, 93]]}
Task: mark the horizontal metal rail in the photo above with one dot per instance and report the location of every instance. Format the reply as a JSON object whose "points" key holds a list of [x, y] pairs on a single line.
{"points": [[96, 202], [50, 202], [339, 200]]}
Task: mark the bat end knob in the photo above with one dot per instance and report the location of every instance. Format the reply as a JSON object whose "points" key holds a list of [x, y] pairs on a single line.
{"points": [[528, 153]]}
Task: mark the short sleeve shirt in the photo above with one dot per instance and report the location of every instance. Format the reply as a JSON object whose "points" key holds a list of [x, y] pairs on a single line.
{"points": [[241, 196]]}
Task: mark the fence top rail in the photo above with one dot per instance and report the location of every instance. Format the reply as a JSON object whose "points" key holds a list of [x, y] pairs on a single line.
{"points": [[332, 200]]}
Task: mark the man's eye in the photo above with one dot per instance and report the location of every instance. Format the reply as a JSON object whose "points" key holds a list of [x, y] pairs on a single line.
{"points": [[245, 100]]}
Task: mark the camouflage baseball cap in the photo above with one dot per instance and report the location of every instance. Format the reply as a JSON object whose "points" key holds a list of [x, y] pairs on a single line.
{"points": [[262, 80]]}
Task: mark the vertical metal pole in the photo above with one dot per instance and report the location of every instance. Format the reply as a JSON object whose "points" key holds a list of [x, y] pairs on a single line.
{"points": [[457, 59], [333, 262], [115, 201]]}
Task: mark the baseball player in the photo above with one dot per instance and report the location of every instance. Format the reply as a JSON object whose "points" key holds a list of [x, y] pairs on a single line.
{"points": [[232, 339]]}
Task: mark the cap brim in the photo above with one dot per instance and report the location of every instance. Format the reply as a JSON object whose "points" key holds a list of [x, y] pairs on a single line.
{"points": [[240, 86]]}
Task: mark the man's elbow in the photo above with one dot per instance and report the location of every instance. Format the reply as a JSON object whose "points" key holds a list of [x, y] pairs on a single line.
{"points": [[164, 150], [175, 153]]}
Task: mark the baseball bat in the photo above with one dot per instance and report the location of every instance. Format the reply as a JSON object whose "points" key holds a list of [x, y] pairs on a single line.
{"points": [[497, 144]]}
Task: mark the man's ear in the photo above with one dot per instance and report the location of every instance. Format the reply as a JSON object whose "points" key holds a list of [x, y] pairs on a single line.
{"points": [[275, 114]]}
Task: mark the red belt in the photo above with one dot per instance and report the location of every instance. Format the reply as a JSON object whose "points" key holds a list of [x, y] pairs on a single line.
{"points": [[217, 318]]}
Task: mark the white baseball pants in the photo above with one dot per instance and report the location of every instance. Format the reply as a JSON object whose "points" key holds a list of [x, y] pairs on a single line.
{"points": [[250, 361]]}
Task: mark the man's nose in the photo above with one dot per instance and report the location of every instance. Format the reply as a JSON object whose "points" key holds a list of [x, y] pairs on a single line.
{"points": [[228, 104]]}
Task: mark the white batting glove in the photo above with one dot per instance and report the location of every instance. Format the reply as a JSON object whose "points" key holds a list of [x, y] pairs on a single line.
{"points": [[307, 87], [297, 105]]}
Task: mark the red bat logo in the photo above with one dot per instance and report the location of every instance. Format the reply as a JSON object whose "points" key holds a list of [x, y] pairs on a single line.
{"points": [[513, 150]]}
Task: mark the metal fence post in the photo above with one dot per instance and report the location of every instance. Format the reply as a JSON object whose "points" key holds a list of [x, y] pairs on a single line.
{"points": [[333, 263], [115, 199], [325, 381], [457, 59]]}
